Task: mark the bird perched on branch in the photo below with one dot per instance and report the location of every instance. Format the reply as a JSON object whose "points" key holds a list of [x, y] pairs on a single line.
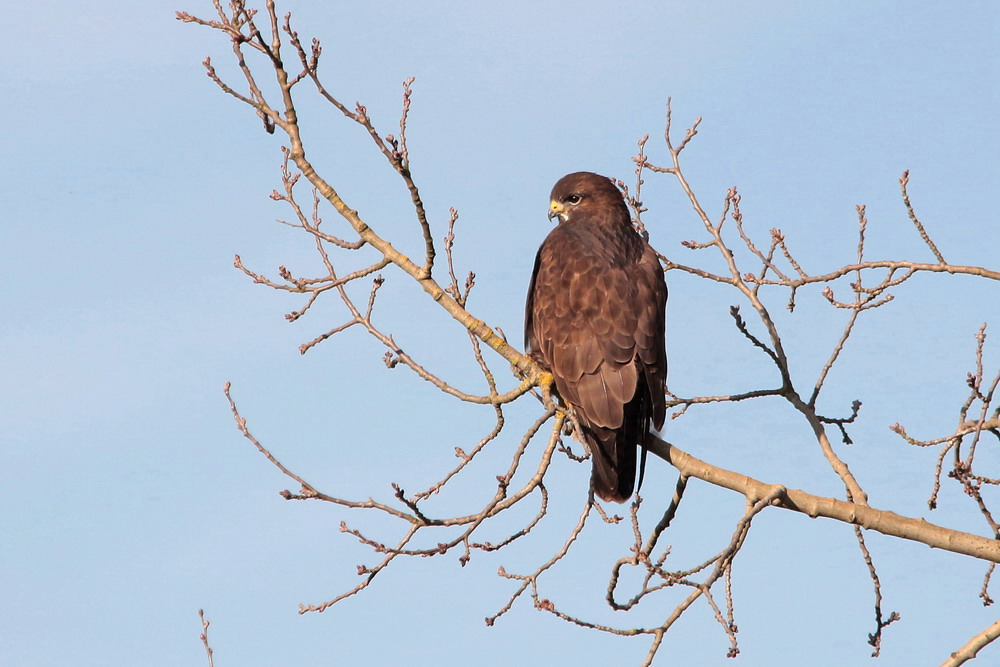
{"points": [[595, 318]]}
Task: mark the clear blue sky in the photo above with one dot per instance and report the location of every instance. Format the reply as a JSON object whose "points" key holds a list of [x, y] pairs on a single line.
{"points": [[127, 498]]}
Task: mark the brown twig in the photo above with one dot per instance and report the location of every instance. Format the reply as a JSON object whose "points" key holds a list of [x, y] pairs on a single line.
{"points": [[903, 181], [874, 639], [204, 637]]}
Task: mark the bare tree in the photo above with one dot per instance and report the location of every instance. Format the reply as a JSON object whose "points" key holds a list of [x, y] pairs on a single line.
{"points": [[270, 55]]}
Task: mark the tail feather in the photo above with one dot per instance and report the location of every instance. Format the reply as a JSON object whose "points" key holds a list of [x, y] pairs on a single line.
{"points": [[614, 450], [613, 473]]}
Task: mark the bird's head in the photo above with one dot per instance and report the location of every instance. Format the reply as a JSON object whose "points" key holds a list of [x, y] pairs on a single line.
{"points": [[583, 191]]}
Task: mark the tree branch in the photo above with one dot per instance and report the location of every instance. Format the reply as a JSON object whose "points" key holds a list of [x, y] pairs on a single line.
{"points": [[973, 646], [882, 521]]}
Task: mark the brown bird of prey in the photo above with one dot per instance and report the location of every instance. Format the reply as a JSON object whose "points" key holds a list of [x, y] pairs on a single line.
{"points": [[595, 318]]}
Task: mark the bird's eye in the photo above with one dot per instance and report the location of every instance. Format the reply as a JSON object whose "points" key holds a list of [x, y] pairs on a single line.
{"points": [[573, 199]]}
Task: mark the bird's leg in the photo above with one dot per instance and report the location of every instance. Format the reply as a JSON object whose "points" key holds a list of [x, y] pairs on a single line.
{"points": [[578, 430], [571, 425], [545, 380]]}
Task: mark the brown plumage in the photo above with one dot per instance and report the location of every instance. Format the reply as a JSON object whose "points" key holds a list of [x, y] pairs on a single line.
{"points": [[595, 317]]}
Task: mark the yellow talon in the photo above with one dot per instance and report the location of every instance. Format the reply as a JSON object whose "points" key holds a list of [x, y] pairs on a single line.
{"points": [[545, 381]]}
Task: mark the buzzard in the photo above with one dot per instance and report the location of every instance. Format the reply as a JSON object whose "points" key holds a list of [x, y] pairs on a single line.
{"points": [[595, 318]]}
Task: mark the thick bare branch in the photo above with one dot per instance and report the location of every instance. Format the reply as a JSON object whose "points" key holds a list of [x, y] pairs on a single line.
{"points": [[882, 521], [973, 646]]}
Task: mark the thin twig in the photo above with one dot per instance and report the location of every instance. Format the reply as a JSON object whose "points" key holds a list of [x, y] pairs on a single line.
{"points": [[204, 637]]}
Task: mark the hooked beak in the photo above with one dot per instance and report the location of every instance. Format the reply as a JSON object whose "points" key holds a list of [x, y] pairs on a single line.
{"points": [[556, 210]]}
